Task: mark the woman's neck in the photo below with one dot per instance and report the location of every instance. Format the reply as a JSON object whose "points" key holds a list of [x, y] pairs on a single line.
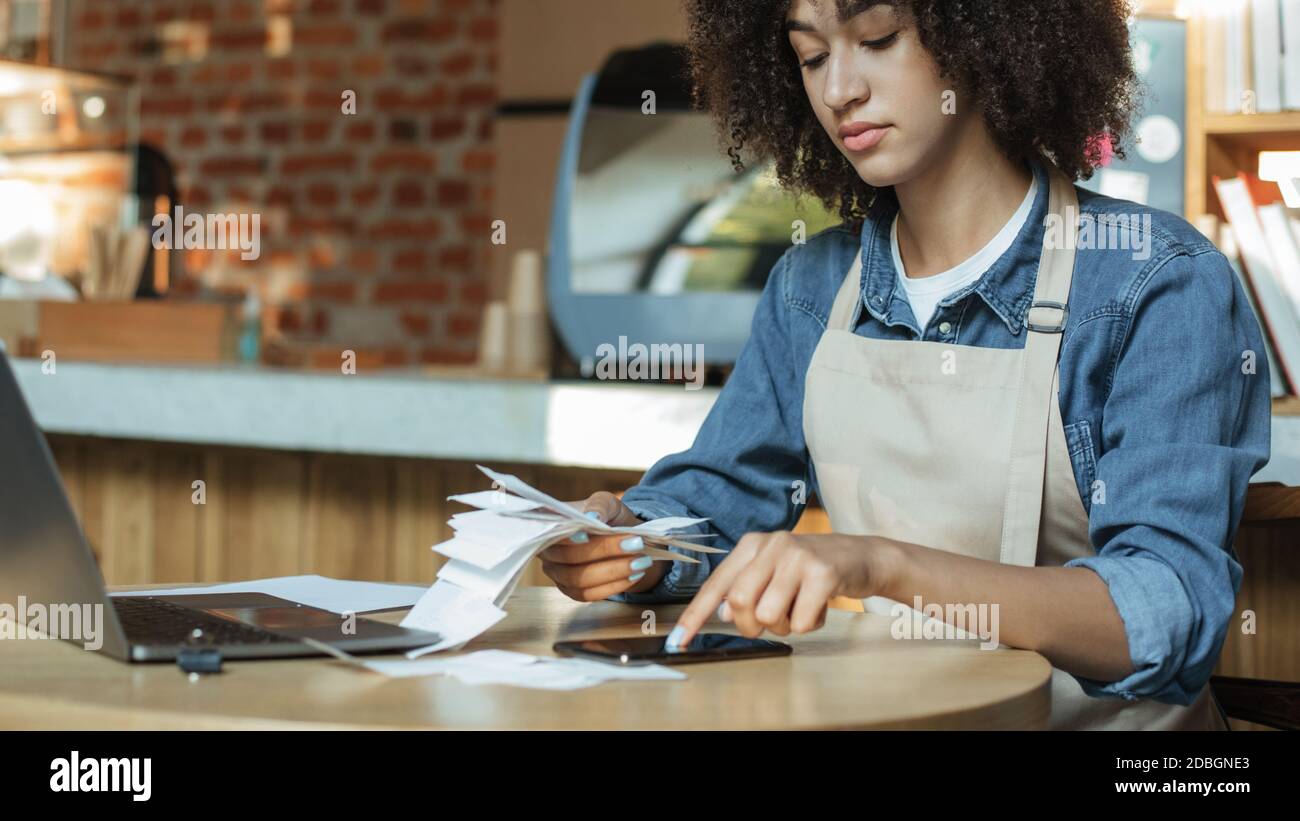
{"points": [[958, 205]]}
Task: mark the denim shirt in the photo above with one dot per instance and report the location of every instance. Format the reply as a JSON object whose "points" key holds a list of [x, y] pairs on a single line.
{"points": [[1157, 392]]}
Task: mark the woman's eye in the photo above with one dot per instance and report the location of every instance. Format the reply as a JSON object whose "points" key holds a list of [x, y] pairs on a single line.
{"points": [[876, 45], [883, 42]]}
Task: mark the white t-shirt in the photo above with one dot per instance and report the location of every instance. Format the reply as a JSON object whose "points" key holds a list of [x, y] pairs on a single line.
{"points": [[924, 293]]}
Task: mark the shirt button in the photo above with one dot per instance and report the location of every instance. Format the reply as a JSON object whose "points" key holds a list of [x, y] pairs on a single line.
{"points": [[945, 327], [876, 299]]}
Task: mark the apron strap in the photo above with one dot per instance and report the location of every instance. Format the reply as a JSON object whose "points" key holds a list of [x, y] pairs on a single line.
{"points": [[844, 312], [1045, 324]]}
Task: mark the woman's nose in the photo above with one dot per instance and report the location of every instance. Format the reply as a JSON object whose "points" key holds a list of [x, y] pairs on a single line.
{"points": [[846, 83]]}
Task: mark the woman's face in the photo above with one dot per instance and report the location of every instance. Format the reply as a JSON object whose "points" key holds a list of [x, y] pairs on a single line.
{"points": [[874, 88]]}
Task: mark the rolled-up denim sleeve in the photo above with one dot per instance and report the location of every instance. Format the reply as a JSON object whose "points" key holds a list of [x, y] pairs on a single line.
{"points": [[747, 469], [1186, 424]]}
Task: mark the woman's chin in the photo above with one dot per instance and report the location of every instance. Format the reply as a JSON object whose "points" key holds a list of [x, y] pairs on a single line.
{"points": [[880, 171]]}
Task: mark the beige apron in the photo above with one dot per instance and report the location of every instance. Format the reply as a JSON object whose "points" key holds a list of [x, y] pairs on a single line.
{"points": [[963, 449]]}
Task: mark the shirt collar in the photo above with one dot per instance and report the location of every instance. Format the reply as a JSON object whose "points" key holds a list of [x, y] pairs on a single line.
{"points": [[1007, 287]]}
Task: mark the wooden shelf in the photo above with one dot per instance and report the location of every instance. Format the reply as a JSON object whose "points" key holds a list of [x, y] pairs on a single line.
{"points": [[1271, 502], [1222, 144], [53, 144], [1229, 124], [1287, 406]]}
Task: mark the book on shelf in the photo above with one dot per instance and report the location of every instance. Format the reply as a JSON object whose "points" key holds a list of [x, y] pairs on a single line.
{"points": [[1215, 49], [1270, 259], [1266, 50], [1290, 53], [1252, 56], [1237, 62], [1223, 237]]}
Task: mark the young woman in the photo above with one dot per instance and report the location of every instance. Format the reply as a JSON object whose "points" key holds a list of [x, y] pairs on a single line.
{"points": [[1005, 390]]}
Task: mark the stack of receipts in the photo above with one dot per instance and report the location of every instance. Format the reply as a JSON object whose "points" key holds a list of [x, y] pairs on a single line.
{"points": [[493, 545]]}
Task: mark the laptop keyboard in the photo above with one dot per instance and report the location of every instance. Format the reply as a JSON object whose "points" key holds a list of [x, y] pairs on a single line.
{"points": [[152, 621]]}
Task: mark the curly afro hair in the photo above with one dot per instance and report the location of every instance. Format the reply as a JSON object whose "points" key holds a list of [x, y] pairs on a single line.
{"points": [[1062, 76]]}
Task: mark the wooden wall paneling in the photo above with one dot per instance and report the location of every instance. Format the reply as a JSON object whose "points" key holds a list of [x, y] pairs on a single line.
{"points": [[212, 515], [69, 458], [121, 474], [1270, 586], [348, 531], [177, 546], [263, 505], [419, 520]]}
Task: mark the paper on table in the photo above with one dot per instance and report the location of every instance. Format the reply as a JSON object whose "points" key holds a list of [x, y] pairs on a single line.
{"points": [[455, 614], [521, 670], [335, 595]]}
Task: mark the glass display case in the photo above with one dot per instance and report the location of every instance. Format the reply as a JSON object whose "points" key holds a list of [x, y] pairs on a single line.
{"points": [[27, 29], [655, 238], [67, 168]]}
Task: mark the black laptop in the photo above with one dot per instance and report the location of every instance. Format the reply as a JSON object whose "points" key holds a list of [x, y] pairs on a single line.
{"points": [[47, 571]]}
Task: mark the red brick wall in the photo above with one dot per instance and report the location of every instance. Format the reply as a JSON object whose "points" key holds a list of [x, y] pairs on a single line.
{"points": [[375, 225]]}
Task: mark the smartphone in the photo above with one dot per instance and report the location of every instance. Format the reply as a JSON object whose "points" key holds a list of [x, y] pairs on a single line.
{"points": [[641, 650]]}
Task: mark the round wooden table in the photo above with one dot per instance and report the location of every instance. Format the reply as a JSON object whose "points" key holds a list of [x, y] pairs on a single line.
{"points": [[851, 674]]}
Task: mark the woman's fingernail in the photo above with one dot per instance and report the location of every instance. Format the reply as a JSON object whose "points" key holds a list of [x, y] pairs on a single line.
{"points": [[580, 537], [642, 563], [724, 612], [675, 638], [633, 544], [591, 514], [636, 577]]}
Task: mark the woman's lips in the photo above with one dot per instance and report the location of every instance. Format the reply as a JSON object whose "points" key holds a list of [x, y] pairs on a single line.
{"points": [[858, 138]]}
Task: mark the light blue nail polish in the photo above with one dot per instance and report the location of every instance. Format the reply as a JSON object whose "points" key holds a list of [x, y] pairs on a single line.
{"points": [[633, 544], [580, 538], [674, 638], [642, 563], [722, 612], [636, 577], [591, 514]]}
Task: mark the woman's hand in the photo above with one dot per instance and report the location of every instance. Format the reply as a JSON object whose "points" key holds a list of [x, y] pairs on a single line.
{"points": [[782, 582], [590, 567]]}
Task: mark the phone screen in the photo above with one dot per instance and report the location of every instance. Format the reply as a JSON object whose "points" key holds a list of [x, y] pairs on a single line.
{"points": [[650, 649]]}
